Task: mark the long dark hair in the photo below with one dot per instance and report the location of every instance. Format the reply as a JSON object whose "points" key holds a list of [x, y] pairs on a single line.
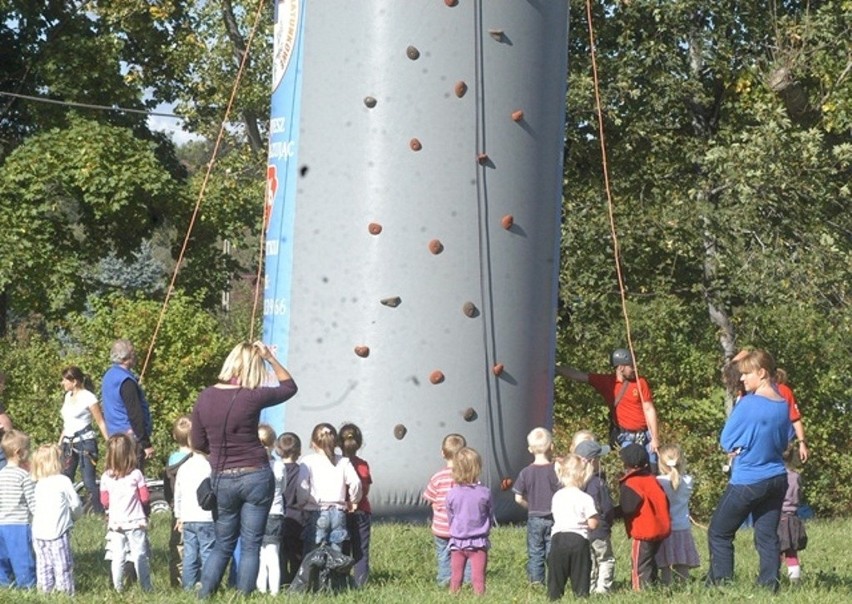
{"points": [[74, 373]]}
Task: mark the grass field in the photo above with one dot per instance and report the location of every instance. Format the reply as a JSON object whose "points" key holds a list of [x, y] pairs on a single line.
{"points": [[403, 567]]}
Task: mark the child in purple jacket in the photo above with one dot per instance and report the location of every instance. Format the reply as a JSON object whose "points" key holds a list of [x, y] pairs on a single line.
{"points": [[471, 512]]}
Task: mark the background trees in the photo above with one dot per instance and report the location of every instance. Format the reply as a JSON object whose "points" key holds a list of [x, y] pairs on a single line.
{"points": [[728, 132]]}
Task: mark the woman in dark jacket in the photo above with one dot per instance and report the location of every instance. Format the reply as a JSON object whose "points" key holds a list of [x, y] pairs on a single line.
{"points": [[224, 424]]}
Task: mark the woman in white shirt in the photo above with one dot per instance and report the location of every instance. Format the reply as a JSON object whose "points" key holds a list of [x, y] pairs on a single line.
{"points": [[78, 441]]}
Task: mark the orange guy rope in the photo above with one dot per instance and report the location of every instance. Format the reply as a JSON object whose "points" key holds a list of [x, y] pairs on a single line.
{"points": [[203, 190], [616, 251]]}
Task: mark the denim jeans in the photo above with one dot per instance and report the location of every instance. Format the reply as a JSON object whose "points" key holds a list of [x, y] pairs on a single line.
{"points": [[198, 541], [538, 546], [325, 526], [17, 560], [243, 502], [763, 501], [85, 454], [358, 524]]}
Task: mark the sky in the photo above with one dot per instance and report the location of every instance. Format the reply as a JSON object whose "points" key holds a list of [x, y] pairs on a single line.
{"points": [[170, 125]]}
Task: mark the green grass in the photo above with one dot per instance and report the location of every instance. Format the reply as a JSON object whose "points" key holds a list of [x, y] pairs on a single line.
{"points": [[403, 569]]}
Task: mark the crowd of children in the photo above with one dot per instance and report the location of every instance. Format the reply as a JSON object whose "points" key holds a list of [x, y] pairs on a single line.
{"points": [[321, 499]]}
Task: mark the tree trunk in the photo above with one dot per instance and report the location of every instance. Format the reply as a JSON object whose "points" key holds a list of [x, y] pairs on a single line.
{"points": [[239, 45]]}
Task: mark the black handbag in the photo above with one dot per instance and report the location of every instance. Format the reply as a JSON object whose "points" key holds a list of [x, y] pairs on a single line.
{"points": [[206, 495]]}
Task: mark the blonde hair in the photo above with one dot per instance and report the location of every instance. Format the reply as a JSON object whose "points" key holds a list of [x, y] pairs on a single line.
{"points": [[244, 366], [758, 359], [780, 375], [47, 461], [16, 446], [181, 429], [120, 455], [452, 444], [467, 466], [573, 471], [580, 436], [672, 464], [539, 441], [324, 439], [267, 435]]}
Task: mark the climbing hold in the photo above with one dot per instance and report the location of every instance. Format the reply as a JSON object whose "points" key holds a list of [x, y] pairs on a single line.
{"points": [[451, 3], [436, 377], [497, 34], [415, 144], [412, 53], [436, 247], [470, 310], [482, 159], [517, 116], [460, 89], [392, 302], [399, 431], [497, 369], [470, 414], [370, 101], [507, 221], [506, 484], [362, 351], [375, 228]]}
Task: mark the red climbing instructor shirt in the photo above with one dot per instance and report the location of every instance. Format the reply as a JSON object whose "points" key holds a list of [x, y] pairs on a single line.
{"points": [[628, 413]]}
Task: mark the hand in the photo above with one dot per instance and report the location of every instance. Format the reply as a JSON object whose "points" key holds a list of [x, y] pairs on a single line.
{"points": [[803, 451], [263, 350], [149, 452]]}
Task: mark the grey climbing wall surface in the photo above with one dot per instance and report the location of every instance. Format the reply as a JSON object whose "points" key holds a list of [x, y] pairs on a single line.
{"points": [[425, 222]]}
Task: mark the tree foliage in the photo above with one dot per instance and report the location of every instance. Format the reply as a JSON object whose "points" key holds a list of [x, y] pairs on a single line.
{"points": [[729, 195]]}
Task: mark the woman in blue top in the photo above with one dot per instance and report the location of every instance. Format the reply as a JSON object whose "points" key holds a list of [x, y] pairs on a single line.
{"points": [[756, 434]]}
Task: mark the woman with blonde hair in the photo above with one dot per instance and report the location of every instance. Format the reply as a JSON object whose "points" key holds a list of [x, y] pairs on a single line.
{"points": [[756, 435], [224, 424]]}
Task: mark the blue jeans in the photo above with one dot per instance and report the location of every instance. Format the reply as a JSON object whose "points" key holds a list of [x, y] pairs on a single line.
{"points": [[243, 502], [538, 546], [17, 560], [358, 524], [763, 501], [325, 526], [442, 553], [198, 541], [85, 454]]}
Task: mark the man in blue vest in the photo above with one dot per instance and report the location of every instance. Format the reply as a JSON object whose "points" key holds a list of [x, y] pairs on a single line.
{"points": [[125, 407]]}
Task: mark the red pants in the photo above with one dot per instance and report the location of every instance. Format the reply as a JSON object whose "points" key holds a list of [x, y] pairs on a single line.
{"points": [[478, 561]]}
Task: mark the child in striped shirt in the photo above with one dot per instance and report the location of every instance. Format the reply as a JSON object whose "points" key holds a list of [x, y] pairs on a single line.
{"points": [[436, 494], [17, 502]]}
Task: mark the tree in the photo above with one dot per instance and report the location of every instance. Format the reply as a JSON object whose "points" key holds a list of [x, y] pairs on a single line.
{"points": [[729, 198], [69, 198]]}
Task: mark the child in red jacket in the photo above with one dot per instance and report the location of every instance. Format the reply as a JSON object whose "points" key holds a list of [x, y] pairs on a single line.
{"points": [[645, 509]]}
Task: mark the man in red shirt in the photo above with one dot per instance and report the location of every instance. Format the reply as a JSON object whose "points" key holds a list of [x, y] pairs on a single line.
{"points": [[628, 398]]}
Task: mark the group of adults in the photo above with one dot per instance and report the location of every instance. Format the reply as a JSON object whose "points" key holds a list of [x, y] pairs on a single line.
{"points": [[224, 426], [755, 436]]}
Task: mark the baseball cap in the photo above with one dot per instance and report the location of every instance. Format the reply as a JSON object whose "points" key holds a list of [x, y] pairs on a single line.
{"points": [[589, 449]]}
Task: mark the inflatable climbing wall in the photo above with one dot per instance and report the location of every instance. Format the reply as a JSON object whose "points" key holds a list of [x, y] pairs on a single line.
{"points": [[413, 223]]}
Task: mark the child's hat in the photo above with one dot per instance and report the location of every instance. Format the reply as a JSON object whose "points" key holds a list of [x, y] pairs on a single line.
{"points": [[634, 456], [589, 449]]}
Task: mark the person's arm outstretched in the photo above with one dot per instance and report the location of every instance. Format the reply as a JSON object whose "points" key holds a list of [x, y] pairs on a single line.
{"points": [[572, 374]]}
